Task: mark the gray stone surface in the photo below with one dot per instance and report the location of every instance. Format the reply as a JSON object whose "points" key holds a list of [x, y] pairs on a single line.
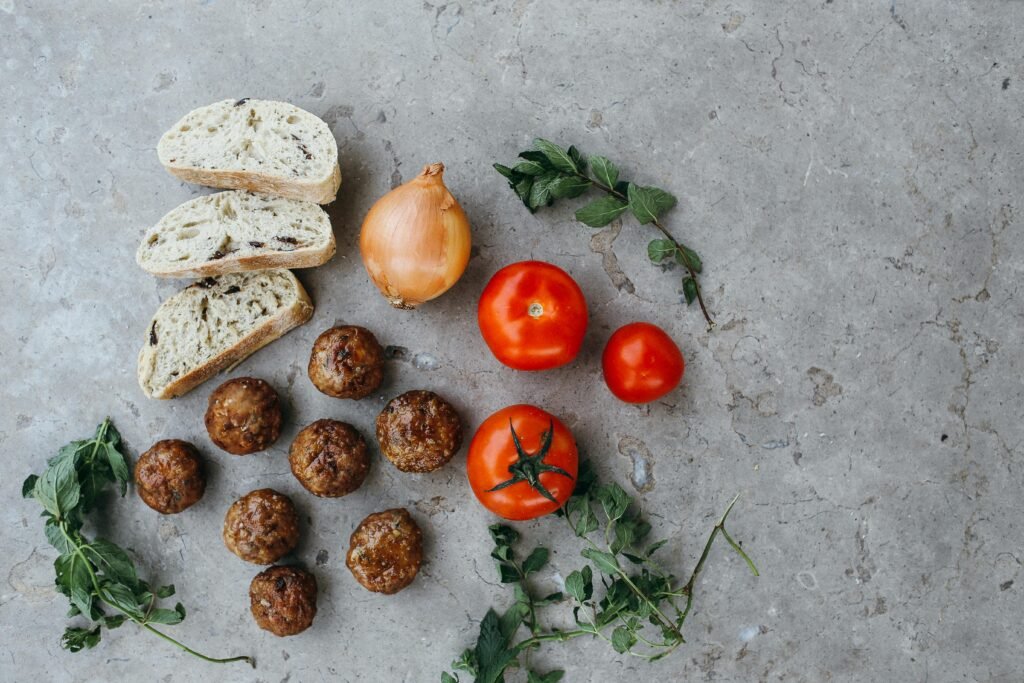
{"points": [[850, 172]]}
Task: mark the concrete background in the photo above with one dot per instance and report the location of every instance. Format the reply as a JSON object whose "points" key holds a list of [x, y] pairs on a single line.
{"points": [[849, 170]]}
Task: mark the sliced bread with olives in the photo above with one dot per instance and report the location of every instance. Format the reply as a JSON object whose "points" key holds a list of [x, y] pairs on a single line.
{"points": [[215, 324], [257, 145], [235, 231]]}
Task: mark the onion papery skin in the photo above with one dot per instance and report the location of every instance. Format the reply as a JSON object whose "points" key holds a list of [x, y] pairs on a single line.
{"points": [[415, 240]]}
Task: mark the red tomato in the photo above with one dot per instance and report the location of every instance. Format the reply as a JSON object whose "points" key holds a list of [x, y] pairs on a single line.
{"points": [[526, 480], [641, 363], [533, 316]]}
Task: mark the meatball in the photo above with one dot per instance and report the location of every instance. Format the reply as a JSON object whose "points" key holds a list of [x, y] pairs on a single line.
{"points": [[243, 416], [385, 551], [329, 458], [347, 362], [283, 600], [169, 476], [261, 527], [419, 431]]}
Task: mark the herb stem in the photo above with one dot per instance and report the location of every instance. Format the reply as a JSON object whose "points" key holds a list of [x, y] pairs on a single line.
{"points": [[80, 552], [200, 655], [668, 235]]}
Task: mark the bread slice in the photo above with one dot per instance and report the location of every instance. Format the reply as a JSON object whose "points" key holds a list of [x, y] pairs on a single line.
{"points": [[216, 323], [256, 145], [234, 231]]}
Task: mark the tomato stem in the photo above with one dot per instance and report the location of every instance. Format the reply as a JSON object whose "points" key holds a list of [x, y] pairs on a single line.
{"points": [[529, 466]]}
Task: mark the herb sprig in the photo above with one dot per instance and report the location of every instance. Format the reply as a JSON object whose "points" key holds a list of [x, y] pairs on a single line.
{"points": [[97, 574], [550, 172], [641, 612]]}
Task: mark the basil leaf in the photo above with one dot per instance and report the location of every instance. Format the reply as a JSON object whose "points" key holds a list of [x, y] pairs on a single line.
{"points": [[606, 562], [165, 591], [523, 188], [121, 597], [649, 203], [601, 212], [614, 500], [538, 157], [167, 616], [448, 678], [503, 535], [114, 562], [686, 256], [689, 289], [540, 193], [28, 486], [622, 639], [118, 466], [504, 170], [77, 639], [550, 677], [568, 186], [57, 490], [660, 249], [508, 573], [559, 158], [535, 561], [654, 546], [74, 581], [56, 537], [605, 171], [529, 168], [574, 585]]}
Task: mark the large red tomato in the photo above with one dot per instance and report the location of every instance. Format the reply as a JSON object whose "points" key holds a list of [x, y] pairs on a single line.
{"points": [[522, 463], [533, 316], [641, 363]]}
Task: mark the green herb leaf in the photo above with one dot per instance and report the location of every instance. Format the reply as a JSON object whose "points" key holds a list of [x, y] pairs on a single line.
{"points": [[491, 652], [55, 535], [574, 585], [686, 256], [614, 500], [654, 546], [604, 170], [689, 289], [508, 573], [529, 168], [538, 157], [503, 535], [114, 621], [649, 203], [535, 560], [76, 639], [625, 533], [559, 158], [448, 678], [660, 249], [540, 193], [504, 170], [622, 639], [165, 591], [118, 466], [122, 597], [113, 562], [549, 677], [601, 212], [28, 486], [57, 490], [74, 581], [167, 616], [577, 158], [568, 186], [584, 521], [606, 562]]}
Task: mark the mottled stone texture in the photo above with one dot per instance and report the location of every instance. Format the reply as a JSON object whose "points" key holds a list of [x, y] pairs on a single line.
{"points": [[849, 170]]}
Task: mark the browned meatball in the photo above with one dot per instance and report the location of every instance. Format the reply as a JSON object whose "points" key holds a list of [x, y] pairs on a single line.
{"points": [[169, 476], [243, 416], [385, 551], [283, 600], [419, 431], [261, 527], [347, 362], [329, 458]]}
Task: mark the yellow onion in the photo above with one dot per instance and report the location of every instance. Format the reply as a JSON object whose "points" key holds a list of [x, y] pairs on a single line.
{"points": [[415, 240]]}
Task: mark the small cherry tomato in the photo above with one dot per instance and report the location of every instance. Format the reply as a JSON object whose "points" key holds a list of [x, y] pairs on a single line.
{"points": [[533, 316], [522, 463], [641, 363]]}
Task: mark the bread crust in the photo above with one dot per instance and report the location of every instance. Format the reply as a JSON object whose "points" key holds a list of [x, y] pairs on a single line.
{"points": [[277, 326], [299, 258], [323, 192]]}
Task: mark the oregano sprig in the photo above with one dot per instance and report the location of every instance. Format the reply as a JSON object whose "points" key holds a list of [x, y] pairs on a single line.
{"points": [[97, 575], [641, 611], [550, 172]]}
